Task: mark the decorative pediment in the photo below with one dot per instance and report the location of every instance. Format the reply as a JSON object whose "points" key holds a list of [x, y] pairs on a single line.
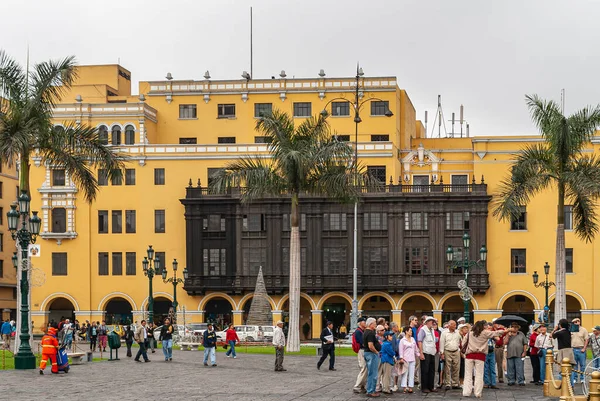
{"points": [[421, 157]]}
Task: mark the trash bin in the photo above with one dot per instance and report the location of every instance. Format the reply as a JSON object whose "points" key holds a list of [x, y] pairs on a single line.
{"points": [[114, 341]]}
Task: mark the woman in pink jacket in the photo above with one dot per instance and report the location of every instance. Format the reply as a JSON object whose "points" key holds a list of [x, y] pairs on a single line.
{"points": [[408, 353]]}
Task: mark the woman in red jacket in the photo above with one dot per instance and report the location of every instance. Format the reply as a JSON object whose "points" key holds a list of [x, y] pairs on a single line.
{"points": [[231, 338], [533, 355]]}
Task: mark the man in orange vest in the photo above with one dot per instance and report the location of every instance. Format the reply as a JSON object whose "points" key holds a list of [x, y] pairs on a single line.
{"points": [[49, 350]]}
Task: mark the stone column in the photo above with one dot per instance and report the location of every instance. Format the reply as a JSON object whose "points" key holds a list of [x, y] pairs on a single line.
{"points": [[397, 316], [201, 317], [40, 321], [437, 314], [277, 315], [317, 323], [237, 317]]}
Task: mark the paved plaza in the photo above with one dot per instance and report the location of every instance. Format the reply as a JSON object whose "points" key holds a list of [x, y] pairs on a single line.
{"points": [[249, 377]]}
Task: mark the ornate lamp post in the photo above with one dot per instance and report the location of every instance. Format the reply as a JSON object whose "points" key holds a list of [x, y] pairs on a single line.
{"points": [[24, 358], [175, 281], [546, 284], [465, 264], [149, 272], [357, 105]]}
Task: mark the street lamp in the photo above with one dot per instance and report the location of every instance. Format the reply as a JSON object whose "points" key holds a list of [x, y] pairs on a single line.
{"points": [[149, 272], [24, 358], [546, 284], [465, 264], [356, 106], [175, 281]]}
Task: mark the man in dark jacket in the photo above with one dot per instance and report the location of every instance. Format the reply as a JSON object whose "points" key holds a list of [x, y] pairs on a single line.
{"points": [[210, 342], [328, 346]]}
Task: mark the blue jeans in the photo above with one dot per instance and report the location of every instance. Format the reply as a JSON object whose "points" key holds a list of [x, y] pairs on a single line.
{"points": [[167, 346], [372, 368], [516, 370], [210, 352], [596, 362], [231, 350], [579, 354], [542, 355], [489, 370]]}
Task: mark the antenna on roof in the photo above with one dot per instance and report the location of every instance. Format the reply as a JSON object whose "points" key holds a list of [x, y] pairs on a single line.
{"points": [[439, 117], [462, 111], [251, 61], [425, 123]]}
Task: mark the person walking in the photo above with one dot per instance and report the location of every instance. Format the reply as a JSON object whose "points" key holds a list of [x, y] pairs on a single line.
{"points": [[475, 346], [533, 355], [372, 348], [210, 342], [595, 341], [327, 346], [231, 338], [102, 336], [151, 341], [6, 331], [128, 336], [166, 336], [141, 337], [343, 331], [357, 341], [499, 352], [279, 344], [427, 349], [388, 359], [67, 337], [543, 343], [408, 352], [450, 354], [49, 350], [579, 342], [489, 367], [92, 334], [515, 355]]}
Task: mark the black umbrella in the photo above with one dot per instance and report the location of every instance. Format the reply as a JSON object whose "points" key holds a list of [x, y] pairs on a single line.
{"points": [[508, 319]]}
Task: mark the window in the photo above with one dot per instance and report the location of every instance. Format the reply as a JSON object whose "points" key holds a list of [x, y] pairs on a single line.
{"points": [[187, 111], [129, 176], [1, 268], [59, 220], [117, 221], [262, 109], [188, 141], [380, 138], [460, 183], [518, 260], [1, 242], [377, 172], [117, 264], [102, 221], [130, 264], [1, 216], [378, 108], [375, 260], [415, 221], [416, 260], [253, 222], [159, 176], [285, 259], [226, 110], [252, 259], [103, 263], [129, 135], [116, 135], [159, 221], [334, 222], [130, 221], [226, 139], [340, 109], [287, 222], [214, 222], [420, 183], [302, 109], [162, 256], [103, 134], [102, 177], [59, 263], [375, 221], [457, 220], [568, 217], [58, 179], [342, 138], [334, 260], [569, 260], [117, 178], [261, 139], [215, 262], [519, 223]]}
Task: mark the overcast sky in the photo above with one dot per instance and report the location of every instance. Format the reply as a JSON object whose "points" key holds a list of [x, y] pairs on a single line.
{"points": [[485, 55]]}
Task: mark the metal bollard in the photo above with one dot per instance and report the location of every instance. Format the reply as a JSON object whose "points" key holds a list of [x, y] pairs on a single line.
{"points": [[595, 387]]}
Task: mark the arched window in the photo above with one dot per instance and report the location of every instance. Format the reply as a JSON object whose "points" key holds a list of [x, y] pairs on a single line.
{"points": [[129, 135], [116, 135], [58, 129], [59, 220], [103, 134]]}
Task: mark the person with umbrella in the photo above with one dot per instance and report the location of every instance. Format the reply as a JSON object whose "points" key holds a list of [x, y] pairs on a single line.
{"points": [[515, 355]]}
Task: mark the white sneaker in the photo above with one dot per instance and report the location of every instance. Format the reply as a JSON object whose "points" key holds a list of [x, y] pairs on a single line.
{"points": [[235, 357], [395, 388], [228, 356]]}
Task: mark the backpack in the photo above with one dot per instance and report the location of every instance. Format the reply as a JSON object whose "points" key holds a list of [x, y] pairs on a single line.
{"points": [[355, 344]]}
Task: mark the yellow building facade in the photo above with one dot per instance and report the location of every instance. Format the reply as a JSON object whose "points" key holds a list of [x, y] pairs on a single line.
{"points": [[176, 131], [9, 185]]}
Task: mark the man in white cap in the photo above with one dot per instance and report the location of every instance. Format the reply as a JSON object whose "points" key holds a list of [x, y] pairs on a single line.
{"points": [[427, 339], [279, 343]]}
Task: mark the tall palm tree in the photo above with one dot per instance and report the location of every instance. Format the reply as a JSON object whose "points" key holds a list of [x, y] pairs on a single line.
{"points": [[27, 99], [303, 159], [557, 163]]}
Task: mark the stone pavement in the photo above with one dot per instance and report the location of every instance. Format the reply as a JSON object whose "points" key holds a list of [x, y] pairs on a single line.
{"points": [[249, 377]]}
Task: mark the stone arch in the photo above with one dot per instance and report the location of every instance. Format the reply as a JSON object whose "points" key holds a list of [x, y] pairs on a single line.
{"points": [[574, 295], [368, 295], [509, 294], [156, 295], [115, 125], [440, 304], [302, 295], [104, 301], [415, 293], [48, 300], [210, 296], [247, 297], [325, 297]]}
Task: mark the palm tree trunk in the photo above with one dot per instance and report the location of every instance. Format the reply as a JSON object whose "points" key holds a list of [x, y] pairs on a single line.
{"points": [[24, 173], [560, 300], [293, 343]]}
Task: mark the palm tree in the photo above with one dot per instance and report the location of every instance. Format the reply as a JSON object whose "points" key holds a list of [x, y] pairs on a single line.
{"points": [[303, 159], [27, 99], [558, 162]]}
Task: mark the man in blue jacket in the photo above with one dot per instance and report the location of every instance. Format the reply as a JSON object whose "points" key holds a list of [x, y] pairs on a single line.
{"points": [[6, 331], [209, 341]]}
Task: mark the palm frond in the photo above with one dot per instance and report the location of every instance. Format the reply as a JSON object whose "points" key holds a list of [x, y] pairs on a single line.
{"points": [[546, 115], [583, 124], [12, 81], [50, 80], [582, 190], [17, 135]]}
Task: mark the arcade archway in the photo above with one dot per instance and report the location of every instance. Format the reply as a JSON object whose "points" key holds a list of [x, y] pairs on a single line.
{"points": [[118, 311], [61, 308]]}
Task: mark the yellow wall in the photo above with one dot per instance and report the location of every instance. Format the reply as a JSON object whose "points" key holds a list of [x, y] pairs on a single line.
{"points": [[8, 280]]}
